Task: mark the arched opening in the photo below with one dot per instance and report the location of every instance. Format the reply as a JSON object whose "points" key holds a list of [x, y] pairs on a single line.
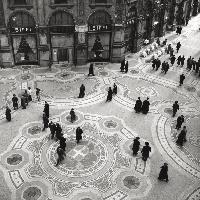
{"points": [[62, 29], [22, 29], [99, 36]]}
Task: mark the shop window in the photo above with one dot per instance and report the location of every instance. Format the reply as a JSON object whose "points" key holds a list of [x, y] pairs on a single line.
{"points": [[20, 4], [61, 22]]}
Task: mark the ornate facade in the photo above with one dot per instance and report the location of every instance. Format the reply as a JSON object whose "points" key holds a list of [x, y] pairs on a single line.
{"points": [[43, 32]]}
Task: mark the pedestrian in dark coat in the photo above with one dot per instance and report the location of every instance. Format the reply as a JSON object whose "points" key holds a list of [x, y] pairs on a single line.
{"points": [[158, 63], [63, 143], [145, 151], [15, 102], [45, 121], [26, 97], [179, 122], [154, 61], [23, 102], [171, 52], [126, 67], [29, 94], [193, 64], [91, 70], [79, 133], [172, 59], [166, 67], [61, 155], [163, 175], [197, 66], [114, 89], [182, 137], [52, 128], [145, 106], [109, 96], [37, 94], [138, 105], [58, 131], [178, 46], [82, 91], [8, 114], [182, 78], [182, 61], [179, 60], [163, 66], [136, 146], [189, 63], [73, 115], [122, 65], [46, 109], [175, 108]]}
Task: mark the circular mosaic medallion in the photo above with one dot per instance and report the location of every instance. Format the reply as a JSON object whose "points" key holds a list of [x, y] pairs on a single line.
{"points": [[131, 182], [14, 159], [65, 75], [147, 91], [84, 159], [25, 77], [68, 118], [190, 88], [110, 124], [134, 71], [32, 193], [34, 130]]}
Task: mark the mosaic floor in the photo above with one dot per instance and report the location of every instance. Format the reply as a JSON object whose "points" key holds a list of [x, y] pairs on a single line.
{"points": [[102, 167]]}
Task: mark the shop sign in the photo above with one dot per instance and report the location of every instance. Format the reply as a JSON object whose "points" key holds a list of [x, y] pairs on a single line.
{"points": [[99, 27], [23, 30]]}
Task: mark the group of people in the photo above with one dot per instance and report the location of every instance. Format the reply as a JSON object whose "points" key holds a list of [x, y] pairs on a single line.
{"points": [[193, 65], [111, 92], [142, 106], [124, 66], [26, 97], [146, 149]]}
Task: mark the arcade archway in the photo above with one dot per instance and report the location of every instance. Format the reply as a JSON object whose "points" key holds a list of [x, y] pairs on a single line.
{"points": [[62, 29], [99, 36], [22, 29]]}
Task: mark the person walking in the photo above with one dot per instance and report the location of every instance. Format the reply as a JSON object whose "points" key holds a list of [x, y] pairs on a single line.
{"points": [[175, 108], [82, 91], [122, 65], [145, 151], [23, 102], [163, 175], [79, 133], [138, 105], [182, 137], [15, 102], [8, 114], [52, 128], [61, 155], [145, 106], [136, 146], [158, 63], [58, 131], [91, 70], [179, 60], [178, 46], [182, 61], [114, 91], [46, 109], [172, 59], [37, 94], [109, 95], [126, 67], [63, 143], [45, 121], [179, 122], [72, 115], [182, 78], [29, 91]]}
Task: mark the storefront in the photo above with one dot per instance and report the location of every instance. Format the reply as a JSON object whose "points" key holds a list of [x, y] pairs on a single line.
{"points": [[62, 31], [99, 36], [23, 37]]}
